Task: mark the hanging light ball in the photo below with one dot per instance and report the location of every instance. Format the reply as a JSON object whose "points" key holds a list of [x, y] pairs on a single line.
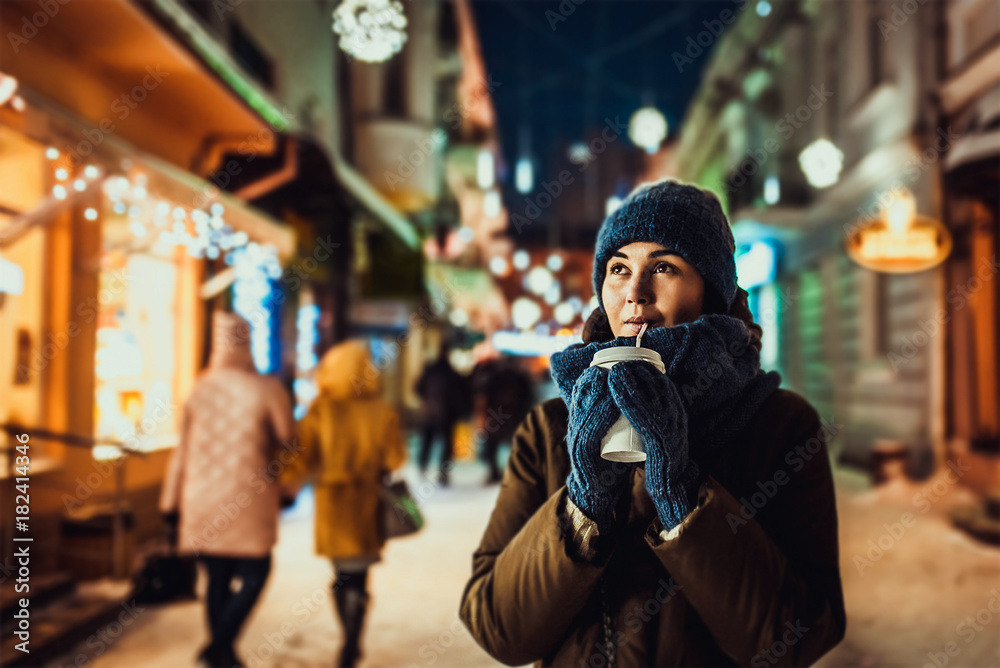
{"points": [[647, 128], [821, 162], [370, 30]]}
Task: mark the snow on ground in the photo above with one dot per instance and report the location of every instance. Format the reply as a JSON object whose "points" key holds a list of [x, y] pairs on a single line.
{"points": [[921, 587], [912, 582], [413, 619]]}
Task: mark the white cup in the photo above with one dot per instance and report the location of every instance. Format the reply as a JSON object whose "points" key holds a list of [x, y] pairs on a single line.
{"points": [[622, 443]]}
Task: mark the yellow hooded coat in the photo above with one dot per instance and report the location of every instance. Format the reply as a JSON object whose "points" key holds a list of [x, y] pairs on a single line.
{"points": [[350, 439]]}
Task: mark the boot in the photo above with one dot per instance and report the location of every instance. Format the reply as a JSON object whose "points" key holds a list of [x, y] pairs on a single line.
{"points": [[352, 605], [214, 656]]}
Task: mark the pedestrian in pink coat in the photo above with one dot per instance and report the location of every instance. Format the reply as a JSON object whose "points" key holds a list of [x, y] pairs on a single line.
{"points": [[221, 486]]}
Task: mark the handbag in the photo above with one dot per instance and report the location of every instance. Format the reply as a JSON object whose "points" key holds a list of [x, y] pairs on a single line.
{"points": [[164, 574], [400, 514]]}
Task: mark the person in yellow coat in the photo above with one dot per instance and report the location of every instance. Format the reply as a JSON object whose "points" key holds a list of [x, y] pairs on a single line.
{"points": [[350, 439]]}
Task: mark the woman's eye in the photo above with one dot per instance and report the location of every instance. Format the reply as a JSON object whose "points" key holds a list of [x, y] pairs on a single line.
{"points": [[618, 268], [665, 267]]}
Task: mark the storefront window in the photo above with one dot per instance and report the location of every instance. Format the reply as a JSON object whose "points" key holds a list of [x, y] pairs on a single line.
{"points": [[26, 349], [137, 332]]}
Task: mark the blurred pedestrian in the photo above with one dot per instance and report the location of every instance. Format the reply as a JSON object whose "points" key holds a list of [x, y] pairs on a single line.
{"points": [[446, 399], [503, 396], [657, 563], [234, 423], [350, 440]]}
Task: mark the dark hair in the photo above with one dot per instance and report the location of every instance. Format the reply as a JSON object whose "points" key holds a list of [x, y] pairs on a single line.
{"points": [[741, 309]]}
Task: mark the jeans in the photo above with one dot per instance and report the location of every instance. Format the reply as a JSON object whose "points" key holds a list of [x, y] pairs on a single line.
{"points": [[228, 610]]}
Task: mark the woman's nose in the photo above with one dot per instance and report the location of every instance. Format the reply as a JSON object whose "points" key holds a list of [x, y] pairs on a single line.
{"points": [[638, 290]]}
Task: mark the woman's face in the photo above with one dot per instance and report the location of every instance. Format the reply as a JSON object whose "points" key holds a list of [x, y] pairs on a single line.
{"points": [[646, 282]]}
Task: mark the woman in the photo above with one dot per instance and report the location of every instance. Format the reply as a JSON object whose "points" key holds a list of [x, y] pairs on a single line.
{"points": [[350, 440], [586, 562], [233, 426]]}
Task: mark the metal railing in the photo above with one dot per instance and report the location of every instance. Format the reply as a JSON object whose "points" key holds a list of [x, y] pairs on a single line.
{"points": [[120, 569]]}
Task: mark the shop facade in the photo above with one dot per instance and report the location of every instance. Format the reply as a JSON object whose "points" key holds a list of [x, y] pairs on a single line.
{"points": [[115, 264]]}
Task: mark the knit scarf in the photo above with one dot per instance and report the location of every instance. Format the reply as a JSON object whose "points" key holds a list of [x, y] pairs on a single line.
{"points": [[711, 361]]}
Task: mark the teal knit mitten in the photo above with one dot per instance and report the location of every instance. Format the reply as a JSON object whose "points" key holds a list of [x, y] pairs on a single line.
{"points": [[649, 400], [594, 484]]}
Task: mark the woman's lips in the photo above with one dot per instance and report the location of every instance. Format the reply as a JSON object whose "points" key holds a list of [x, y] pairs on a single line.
{"points": [[635, 326]]}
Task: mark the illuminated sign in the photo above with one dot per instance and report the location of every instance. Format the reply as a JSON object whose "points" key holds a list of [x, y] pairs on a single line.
{"points": [[757, 265], [531, 344], [901, 241]]}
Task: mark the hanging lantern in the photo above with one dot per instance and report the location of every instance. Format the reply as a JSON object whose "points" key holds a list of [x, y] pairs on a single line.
{"points": [[900, 241], [821, 162], [370, 30], [647, 129]]}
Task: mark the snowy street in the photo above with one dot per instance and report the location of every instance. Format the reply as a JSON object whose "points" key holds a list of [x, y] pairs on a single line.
{"points": [[415, 596], [933, 595]]}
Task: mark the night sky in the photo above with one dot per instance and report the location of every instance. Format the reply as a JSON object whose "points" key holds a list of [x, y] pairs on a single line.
{"points": [[606, 59]]}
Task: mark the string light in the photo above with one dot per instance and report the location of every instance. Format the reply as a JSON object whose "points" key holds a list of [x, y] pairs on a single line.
{"points": [[205, 236], [499, 266], [521, 259]]}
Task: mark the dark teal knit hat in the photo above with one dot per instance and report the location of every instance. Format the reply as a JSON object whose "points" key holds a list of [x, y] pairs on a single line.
{"points": [[681, 217]]}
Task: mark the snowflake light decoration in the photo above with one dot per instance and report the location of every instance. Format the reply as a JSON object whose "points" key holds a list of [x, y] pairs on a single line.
{"points": [[370, 30]]}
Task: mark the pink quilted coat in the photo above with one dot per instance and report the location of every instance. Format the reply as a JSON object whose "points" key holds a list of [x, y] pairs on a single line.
{"points": [[236, 433]]}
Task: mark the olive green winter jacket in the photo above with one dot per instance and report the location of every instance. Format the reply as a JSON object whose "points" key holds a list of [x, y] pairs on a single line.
{"points": [[751, 577]]}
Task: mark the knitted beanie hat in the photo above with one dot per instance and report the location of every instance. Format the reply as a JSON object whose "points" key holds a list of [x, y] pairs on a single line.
{"points": [[681, 217]]}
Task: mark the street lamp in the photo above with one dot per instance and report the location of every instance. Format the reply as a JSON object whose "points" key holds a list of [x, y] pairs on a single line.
{"points": [[647, 128], [821, 162]]}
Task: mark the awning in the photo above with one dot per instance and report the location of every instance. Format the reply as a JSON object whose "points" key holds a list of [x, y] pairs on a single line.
{"points": [[981, 138], [110, 62], [366, 194], [198, 101], [162, 177]]}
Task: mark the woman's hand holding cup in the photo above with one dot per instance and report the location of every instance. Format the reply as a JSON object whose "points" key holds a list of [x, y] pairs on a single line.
{"points": [[651, 403], [594, 484]]}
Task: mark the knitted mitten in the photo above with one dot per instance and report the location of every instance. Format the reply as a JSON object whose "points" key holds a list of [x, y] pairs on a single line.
{"points": [[594, 485], [649, 400]]}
